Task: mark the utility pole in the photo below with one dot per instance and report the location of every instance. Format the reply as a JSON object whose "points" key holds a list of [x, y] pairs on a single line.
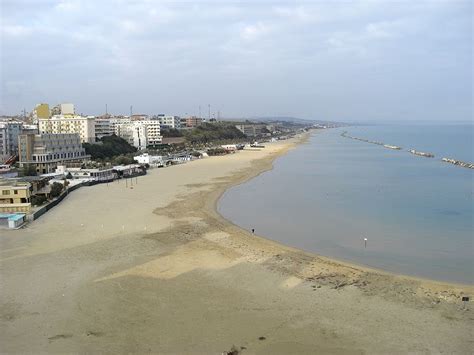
{"points": [[209, 108], [200, 116], [131, 111]]}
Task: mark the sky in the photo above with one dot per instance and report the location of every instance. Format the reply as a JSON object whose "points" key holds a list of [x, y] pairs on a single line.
{"points": [[330, 60]]}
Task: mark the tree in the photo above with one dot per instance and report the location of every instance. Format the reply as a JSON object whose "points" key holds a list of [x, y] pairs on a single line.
{"points": [[123, 160], [171, 132], [108, 147], [56, 189]]}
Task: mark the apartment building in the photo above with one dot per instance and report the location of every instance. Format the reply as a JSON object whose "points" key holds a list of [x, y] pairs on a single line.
{"points": [[9, 131], [103, 127], [41, 111], [46, 151], [193, 121], [140, 134], [167, 121], [69, 123]]}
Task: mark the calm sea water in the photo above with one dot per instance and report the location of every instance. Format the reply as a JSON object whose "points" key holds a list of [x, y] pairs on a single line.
{"points": [[326, 196]]}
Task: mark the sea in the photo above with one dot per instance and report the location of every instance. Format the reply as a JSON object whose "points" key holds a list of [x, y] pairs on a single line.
{"points": [[330, 194]]}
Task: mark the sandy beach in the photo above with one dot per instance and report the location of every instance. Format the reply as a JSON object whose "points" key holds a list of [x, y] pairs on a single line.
{"points": [[153, 268]]}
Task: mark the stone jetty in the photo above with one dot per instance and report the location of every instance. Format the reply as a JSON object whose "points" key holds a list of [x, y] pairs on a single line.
{"points": [[458, 163], [421, 154]]}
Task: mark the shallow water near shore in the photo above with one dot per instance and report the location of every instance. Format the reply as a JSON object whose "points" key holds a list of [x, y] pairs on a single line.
{"points": [[326, 196]]}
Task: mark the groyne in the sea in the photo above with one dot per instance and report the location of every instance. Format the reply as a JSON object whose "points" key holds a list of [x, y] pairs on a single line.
{"points": [[459, 163], [344, 134], [412, 151], [421, 154]]}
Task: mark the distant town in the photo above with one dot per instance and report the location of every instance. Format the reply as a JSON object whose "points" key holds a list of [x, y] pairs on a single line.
{"points": [[52, 151]]}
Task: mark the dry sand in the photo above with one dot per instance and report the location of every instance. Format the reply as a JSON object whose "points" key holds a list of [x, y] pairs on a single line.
{"points": [[154, 268]]}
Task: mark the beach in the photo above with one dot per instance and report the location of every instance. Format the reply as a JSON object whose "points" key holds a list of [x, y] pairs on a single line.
{"points": [[153, 268]]}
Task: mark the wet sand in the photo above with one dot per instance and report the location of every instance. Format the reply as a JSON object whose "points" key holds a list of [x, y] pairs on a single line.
{"points": [[155, 269]]}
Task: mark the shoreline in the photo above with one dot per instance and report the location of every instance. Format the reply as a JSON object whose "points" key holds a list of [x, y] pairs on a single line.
{"points": [[157, 269], [267, 165]]}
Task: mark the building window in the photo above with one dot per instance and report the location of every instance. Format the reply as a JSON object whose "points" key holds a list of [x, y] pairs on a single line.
{"points": [[15, 192], [5, 192]]}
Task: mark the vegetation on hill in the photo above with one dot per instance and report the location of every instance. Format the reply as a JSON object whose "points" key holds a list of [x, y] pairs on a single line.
{"points": [[171, 132], [208, 132], [108, 147]]}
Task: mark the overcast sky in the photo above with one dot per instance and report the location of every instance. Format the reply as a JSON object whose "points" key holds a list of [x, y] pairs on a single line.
{"points": [[361, 60]]}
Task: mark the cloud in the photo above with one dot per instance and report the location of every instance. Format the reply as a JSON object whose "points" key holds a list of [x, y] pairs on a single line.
{"points": [[270, 58], [255, 31], [16, 30]]}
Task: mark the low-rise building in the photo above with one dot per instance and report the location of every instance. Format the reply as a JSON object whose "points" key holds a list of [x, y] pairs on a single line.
{"points": [[14, 196], [100, 175], [129, 170], [152, 160], [251, 130], [46, 151], [12, 220]]}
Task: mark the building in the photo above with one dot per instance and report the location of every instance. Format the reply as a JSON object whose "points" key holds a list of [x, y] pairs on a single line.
{"points": [[12, 220], [67, 109], [62, 124], [124, 171], [46, 151], [103, 127], [152, 160], [139, 117], [9, 131], [41, 111], [14, 196], [193, 121], [153, 130], [99, 175], [140, 134], [173, 122], [251, 130]]}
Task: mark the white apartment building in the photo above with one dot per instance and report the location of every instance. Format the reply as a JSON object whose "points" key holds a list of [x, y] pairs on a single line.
{"points": [[103, 127], [140, 134], [169, 121], [153, 131], [61, 124]]}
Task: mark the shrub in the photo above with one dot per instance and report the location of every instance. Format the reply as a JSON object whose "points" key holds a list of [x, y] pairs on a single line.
{"points": [[56, 189], [38, 200], [216, 151]]}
